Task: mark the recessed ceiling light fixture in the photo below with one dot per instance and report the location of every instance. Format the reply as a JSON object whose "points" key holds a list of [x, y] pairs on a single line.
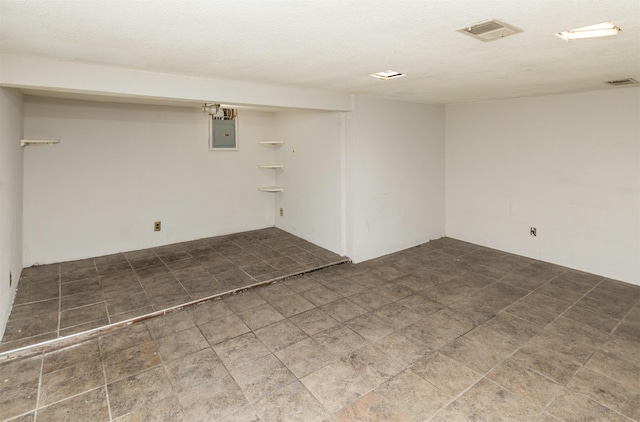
{"points": [[388, 74], [604, 29]]}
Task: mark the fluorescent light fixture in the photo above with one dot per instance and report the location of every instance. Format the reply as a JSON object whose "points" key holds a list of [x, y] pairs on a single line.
{"points": [[388, 74], [604, 29], [25, 142]]}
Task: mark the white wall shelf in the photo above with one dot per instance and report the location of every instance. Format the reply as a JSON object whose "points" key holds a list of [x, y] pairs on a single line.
{"points": [[271, 189], [271, 167], [25, 142]]}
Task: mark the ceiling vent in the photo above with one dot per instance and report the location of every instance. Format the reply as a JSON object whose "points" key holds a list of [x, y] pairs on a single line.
{"points": [[489, 30], [624, 82]]}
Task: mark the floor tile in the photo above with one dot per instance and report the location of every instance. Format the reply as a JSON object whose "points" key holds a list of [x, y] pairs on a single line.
{"points": [[416, 353], [221, 398], [321, 295], [83, 314], [195, 371], [576, 330], [547, 363], [445, 373], [91, 405], [301, 283], [431, 333], [136, 283], [30, 310], [30, 327], [130, 361], [459, 412], [291, 403], [343, 310], [416, 397], [613, 366], [180, 344], [243, 301], [340, 340], [607, 392], [56, 385], [240, 351], [371, 407], [524, 382], [398, 315], [18, 397], [138, 391], [244, 414], [494, 403], [167, 409], [292, 305], [573, 406], [260, 316], [372, 365], [370, 326], [477, 356], [280, 335], [313, 321], [304, 357], [203, 313], [563, 346], [70, 356], [518, 329], [129, 336], [262, 376], [335, 385], [223, 329], [403, 347], [531, 313], [371, 299]]}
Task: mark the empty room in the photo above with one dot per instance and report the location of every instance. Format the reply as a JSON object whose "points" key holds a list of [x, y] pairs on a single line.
{"points": [[319, 211]]}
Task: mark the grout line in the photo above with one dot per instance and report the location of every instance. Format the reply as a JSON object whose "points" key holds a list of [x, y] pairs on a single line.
{"points": [[35, 412], [59, 300], [104, 377]]}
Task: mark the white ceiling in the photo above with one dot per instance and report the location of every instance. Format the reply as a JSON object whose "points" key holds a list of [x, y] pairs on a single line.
{"points": [[333, 45]]}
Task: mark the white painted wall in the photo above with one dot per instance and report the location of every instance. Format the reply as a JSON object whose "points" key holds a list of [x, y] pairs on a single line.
{"points": [[395, 176], [11, 162], [120, 167], [568, 165], [313, 177]]}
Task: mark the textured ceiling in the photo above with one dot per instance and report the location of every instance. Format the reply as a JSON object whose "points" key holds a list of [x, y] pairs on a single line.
{"points": [[333, 45]]}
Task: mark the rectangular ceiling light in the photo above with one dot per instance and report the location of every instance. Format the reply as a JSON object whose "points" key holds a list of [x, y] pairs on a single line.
{"points": [[604, 29], [388, 74]]}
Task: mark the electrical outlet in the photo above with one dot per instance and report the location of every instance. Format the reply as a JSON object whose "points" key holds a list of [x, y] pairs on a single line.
{"points": [[281, 212], [533, 231], [157, 226]]}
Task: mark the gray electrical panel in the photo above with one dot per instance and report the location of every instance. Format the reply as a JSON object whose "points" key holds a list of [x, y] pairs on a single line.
{"points": [[223, 133]]}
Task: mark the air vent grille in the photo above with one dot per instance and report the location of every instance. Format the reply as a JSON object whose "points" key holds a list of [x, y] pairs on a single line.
{"points": [[489, 30], [623, 82]]}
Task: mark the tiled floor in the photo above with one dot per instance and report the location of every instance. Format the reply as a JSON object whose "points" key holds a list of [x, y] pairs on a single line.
{"points": [[446, 331], [71, 297]]}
